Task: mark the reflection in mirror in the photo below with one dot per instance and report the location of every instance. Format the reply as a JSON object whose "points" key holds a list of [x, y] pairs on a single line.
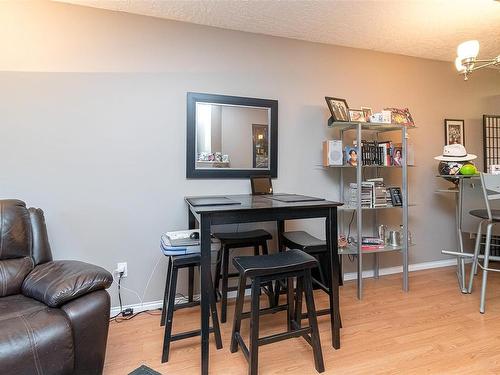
{"points": [[232, 136]]}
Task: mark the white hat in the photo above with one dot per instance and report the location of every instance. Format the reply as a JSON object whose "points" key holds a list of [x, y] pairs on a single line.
{"points": [[455, 152]]}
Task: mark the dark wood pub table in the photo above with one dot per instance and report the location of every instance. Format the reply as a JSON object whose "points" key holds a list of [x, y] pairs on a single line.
{"points": [[254, 208]]}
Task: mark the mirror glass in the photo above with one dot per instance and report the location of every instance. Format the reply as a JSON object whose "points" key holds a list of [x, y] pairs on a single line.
{"points": [[232, 136]]}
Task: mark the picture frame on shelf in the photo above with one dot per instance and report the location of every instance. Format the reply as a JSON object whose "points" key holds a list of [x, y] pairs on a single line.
{"points": [[357, 115], [367, 112], [351, 156], [454, 132], [401, 116], [397, 155], [338, 108]]}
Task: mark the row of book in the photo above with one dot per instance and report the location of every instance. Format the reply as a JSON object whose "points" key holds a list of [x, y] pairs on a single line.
{"points": [[375, 153]]}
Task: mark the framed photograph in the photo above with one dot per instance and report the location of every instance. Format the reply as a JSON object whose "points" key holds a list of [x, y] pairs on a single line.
{"points": [[397, 156], [401, 116], [367, 112], [351, 156], [338, 108], [357, 115], [454, 132]]}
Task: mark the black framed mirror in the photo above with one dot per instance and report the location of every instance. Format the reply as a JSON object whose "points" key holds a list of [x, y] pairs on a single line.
{"points": [[231, 136]]}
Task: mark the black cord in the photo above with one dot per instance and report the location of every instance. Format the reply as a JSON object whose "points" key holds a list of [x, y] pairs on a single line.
{"points": [[120, 291], [349, 227], [120, 276], [119, 320], [350, 256]]}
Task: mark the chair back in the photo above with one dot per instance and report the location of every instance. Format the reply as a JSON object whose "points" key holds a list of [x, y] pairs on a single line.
{"points": [[491, 190]]}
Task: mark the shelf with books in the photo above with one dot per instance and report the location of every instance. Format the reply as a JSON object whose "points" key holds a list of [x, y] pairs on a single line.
{"points": [[369, 154]]}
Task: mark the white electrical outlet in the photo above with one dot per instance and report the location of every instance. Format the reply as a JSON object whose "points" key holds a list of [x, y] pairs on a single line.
{"points": [[122, 267]]}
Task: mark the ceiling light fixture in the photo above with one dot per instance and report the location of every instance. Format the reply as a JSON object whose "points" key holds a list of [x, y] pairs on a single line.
{"points": [[466, 61]]}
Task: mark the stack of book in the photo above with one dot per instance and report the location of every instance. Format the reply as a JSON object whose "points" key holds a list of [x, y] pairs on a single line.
{"points": [[373, 194], [366, 194], [372, 243]]}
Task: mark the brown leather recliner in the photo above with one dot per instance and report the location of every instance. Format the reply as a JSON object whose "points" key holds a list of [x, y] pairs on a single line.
{"points": [[54, 315]]}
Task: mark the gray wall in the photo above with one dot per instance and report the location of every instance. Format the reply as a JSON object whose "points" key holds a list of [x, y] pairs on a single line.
{"points": [[93, 112]]}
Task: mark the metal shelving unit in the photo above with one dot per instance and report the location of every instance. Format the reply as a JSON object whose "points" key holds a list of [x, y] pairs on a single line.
{"points": [[355, 249]]}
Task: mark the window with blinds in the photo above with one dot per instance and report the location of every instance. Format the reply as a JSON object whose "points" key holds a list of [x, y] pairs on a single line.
{"points": [[491, 140]]}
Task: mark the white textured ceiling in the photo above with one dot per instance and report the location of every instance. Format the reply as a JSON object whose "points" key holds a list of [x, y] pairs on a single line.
{"points": [[423, 28]]}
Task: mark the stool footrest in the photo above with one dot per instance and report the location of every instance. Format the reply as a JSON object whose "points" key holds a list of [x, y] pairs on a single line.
{"points": [[267, 310], [318, 313], [295, 326], [186, 305], [284, 336], [188, 334]]}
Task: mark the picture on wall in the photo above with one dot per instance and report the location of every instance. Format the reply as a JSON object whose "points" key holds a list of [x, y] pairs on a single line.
{"points": [[454, 132], [338, 108], [260, 146]]}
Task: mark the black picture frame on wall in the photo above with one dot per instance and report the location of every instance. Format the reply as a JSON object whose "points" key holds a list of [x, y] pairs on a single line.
{"points": [[454, 131], [193, 172]]}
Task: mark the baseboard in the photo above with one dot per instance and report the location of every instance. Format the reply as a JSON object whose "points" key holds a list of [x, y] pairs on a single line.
{"points": [[399, 269], [138, 307]]}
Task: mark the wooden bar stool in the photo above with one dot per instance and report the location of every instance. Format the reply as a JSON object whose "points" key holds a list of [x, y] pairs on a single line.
{"points": [[236, 240], [261, 269], [317, 248], [174, 264]]}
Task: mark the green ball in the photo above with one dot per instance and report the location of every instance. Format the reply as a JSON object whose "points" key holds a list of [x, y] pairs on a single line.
{"points": [[468, 170]]}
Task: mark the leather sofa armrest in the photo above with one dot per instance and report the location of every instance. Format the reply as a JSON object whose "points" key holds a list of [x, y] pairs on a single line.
{"points": [[58, 282]]}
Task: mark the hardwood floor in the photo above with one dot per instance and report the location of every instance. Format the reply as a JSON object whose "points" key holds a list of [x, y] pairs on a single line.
{"points": [[432, 329]]}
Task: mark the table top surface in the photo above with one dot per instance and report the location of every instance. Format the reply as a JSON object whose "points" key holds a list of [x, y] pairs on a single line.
{"points": [[257, 202]]}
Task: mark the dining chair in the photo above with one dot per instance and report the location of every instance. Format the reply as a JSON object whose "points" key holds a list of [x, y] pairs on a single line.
{"points": [[490, 217]]}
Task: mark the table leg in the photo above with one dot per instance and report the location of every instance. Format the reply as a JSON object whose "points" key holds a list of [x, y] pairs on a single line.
{"points": [[205, 291], [191, 225], [281, 229], [277, 288], [191, 220], [331, 242]]}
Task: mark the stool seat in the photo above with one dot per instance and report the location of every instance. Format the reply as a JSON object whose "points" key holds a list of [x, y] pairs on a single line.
{"points": [[237, 240], [237, 237], [483, 214], [186, 260], [289, 261], [303, 241]]}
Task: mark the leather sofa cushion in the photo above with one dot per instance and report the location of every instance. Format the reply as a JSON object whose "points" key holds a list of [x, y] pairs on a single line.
{"points": [[12, 274], [15, 229], [36, 342], [17, 305], [60, 281]]}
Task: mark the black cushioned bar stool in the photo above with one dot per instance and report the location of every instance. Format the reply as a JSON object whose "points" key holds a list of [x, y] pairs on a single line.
{"points": [[236, 240], [261, 269], [174, 264]]}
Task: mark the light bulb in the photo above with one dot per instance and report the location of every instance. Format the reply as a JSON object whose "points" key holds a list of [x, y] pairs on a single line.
{"points": [[459, 65], [468, 49]]}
